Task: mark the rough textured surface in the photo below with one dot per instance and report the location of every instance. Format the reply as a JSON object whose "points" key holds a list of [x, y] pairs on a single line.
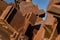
{"points": [[54, 9], [23, 21]]}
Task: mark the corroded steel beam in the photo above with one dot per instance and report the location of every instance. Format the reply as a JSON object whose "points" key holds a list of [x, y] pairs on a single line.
{"points": [[54, 9]]}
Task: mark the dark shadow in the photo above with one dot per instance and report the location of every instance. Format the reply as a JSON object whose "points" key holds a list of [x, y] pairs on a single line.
{"points": [[58, 25], [57, 3], [54, 13], [9, 19], [37, 27], [42, 16], [29, 32]]}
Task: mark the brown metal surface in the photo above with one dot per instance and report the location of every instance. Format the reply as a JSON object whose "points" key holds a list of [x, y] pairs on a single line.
{"points": [[23, 21], [18, 21]]}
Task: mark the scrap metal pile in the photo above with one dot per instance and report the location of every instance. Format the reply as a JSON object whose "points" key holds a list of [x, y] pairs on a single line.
{"points": [[23, 21]]}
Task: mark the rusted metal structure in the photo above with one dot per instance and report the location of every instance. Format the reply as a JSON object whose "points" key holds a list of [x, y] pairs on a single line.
{"points": [[53, 9], [15, 24], [23, 21]]}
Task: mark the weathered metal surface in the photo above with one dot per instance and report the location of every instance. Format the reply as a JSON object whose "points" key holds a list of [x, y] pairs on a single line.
{"points": [[18, 21], [55, 1], [27, 7], [54, 9], [25, 23], [33, 19]]}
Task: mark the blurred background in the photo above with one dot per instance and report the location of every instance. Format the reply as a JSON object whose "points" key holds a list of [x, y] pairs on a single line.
{"points": [[42, 4]]}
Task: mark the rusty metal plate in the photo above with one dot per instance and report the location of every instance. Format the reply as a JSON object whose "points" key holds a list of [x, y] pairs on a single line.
{"points": [[33, 19], [54, 9], [18, 21]]}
